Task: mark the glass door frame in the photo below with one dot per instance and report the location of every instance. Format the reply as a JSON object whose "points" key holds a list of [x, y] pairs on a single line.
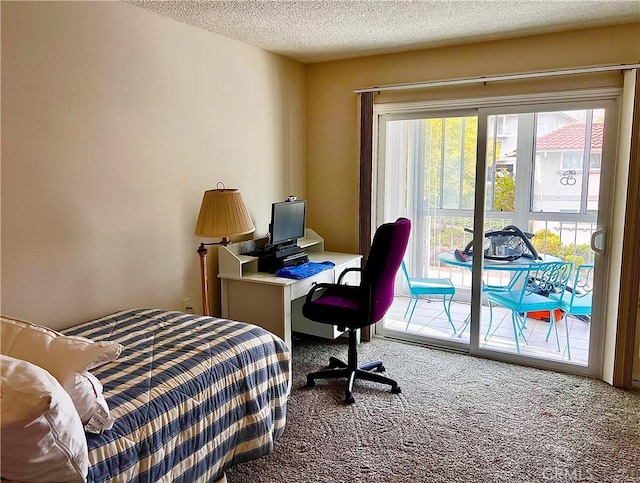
{"points": [[378, 202], [607, 173], [591, 99]]}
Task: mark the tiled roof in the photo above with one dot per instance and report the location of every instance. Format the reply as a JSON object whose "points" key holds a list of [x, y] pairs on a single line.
{"points": [[570, 137]]}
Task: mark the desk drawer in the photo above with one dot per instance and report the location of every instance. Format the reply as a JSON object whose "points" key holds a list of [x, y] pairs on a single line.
{"points": [[302, 287]]}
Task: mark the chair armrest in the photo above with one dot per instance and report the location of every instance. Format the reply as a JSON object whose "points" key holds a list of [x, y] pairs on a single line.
{"points": [[325, 286], [315, 288], [347, 270], [358, 293]]}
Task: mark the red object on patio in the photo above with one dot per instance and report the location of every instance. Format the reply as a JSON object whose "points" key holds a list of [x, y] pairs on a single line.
{"points": [[544, 315]]}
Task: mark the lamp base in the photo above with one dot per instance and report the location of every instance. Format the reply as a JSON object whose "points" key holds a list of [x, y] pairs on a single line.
{"points": [[203, 251]]}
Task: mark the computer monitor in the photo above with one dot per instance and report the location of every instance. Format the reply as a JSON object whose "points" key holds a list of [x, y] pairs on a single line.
{"points": [[287, 221]]}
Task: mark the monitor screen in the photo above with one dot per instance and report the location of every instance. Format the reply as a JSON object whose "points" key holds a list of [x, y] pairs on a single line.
{"points": [[287, 221]]}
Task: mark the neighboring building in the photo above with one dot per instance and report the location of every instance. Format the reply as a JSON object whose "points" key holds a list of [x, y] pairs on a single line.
{"points": [[506, 128], [559, 169], [558, 163], [556, 182]]}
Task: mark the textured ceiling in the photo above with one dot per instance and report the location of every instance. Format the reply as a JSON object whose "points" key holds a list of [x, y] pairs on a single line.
{"points": [[321, 30]]}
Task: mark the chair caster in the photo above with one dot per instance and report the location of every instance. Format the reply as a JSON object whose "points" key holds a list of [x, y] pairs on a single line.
{"points": [[396, 390], [381, 369], [349, 400], [310, 382]]}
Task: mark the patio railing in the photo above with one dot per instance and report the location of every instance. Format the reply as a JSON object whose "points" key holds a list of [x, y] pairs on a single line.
{"points": [[568, 241]]}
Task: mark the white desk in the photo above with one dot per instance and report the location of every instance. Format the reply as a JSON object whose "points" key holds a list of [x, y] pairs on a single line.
{"points": [[275, 303]]}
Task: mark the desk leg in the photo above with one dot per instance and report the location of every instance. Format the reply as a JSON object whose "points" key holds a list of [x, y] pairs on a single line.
{"points": [[224, 299]]}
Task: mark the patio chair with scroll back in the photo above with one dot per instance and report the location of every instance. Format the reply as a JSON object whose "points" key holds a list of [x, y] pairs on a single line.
{"points": [[543, 288]]}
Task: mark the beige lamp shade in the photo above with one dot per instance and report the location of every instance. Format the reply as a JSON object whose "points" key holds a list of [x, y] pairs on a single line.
{"points": [[223, 214]]}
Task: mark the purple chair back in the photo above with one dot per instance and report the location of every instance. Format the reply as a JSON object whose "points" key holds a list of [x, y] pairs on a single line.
{"points": [[385, 256]]}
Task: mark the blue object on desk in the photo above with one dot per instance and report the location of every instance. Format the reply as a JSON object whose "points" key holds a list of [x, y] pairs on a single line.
{"points": [[304, 270]]}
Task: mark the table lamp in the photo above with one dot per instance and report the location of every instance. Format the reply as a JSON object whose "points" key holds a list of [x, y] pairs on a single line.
{"points": [[222, 215]]}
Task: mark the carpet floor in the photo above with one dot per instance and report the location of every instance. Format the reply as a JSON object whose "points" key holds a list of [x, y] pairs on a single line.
{"points": [[458, 419]]}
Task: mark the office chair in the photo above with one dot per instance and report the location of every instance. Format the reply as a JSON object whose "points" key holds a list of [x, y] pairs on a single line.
{"points": [[352, 307]]}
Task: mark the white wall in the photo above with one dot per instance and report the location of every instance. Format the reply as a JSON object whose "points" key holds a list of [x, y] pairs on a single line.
{"points": [[115, 120]]}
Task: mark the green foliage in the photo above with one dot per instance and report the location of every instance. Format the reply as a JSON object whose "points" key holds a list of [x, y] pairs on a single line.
{"points": [[450, 233], [504, 192], [449, 159], [547, 242], [578, 254]]}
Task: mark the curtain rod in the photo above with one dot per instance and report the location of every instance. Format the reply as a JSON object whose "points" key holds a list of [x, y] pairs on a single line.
{"points": [[496, 78]]}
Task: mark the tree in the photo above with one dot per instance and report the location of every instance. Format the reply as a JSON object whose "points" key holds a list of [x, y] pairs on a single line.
{"points": [[449, 160], [505, 191], [578, 254], [547, 242]]}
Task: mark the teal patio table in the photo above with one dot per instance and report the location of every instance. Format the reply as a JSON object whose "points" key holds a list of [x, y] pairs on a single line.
{"points": [[517, 267]]}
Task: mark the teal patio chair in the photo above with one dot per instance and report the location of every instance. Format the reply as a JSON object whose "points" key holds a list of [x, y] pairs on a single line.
{"points": [[543, 288], [577, 299], [429, 286], [486, 288]]}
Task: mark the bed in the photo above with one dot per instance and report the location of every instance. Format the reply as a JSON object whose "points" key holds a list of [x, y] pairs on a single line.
{"points": [[190, 396]]}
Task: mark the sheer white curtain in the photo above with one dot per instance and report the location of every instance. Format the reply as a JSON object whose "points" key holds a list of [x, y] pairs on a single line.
{"points": [[403, 186]]}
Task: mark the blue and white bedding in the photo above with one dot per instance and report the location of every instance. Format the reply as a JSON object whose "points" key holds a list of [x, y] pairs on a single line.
{"points": [[191, 395]]}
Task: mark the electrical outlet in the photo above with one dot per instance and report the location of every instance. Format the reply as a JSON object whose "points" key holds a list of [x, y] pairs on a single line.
{"points": [[187, 307]]}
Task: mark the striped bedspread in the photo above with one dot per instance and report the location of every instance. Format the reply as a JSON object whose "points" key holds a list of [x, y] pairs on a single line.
{"points": [[191, 396]]}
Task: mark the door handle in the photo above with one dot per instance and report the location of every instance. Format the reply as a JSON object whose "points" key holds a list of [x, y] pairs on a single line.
{"points": [[594, 238]]}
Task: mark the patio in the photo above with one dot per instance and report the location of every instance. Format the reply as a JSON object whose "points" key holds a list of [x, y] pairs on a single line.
{"points": [[429, 320]]}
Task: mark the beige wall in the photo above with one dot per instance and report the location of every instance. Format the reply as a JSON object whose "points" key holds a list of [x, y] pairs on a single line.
{"points": [[114, 122], [332, 134]]}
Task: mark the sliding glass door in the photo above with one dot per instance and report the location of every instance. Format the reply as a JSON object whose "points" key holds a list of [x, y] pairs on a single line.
{"points": [[546, 169], [427, 173]]}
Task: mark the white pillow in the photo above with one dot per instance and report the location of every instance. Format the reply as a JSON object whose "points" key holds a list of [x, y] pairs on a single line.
{"points": [[61, 355], [41, 436], [86, 393], [67, 358]]}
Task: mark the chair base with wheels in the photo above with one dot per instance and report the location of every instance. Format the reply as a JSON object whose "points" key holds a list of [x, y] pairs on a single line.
{"points": [[351, 371]]}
